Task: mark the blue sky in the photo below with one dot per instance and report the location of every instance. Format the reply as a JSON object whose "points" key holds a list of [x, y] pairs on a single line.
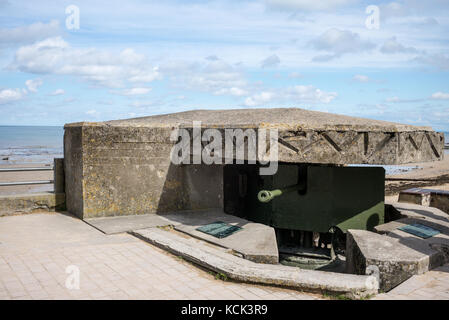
{"points": [[138, 58]]}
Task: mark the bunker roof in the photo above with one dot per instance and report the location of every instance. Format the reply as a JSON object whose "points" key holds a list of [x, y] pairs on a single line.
{"points": [[304, 136], [282, 118]]}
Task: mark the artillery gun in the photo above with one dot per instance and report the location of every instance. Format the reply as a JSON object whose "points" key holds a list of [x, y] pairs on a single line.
{"points": [[268, 195], [310, 206]]}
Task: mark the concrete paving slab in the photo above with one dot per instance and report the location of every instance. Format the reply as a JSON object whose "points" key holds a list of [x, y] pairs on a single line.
{"points": [[255, 242], [36, 249], [120, 224], [38, 241]]}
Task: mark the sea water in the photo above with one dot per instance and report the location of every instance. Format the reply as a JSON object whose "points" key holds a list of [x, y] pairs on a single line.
{"points": [[30, 144]]}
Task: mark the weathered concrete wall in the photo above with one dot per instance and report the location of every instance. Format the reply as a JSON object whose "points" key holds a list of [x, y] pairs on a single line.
{"points": [[416, 198], [58, 175], [28, 203], [204, 185], [345, 147], [126, 171], [73, 169], [123, 167], [441, 201]]}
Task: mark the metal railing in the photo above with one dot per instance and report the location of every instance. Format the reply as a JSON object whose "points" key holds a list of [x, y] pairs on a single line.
{"points": [[24, 183], [48, 168]]}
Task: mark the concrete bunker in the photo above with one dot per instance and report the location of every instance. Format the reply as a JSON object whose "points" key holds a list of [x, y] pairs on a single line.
{"points": [[124, 168]]}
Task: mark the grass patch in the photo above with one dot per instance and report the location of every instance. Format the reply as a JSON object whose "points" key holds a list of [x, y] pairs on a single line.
{"points": [[219, 275], [336, 296], [345, 297], [166, 228]]}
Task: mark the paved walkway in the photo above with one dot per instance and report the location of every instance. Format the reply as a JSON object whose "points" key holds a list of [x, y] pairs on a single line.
{"points": [[37, 251], [433, 285]]}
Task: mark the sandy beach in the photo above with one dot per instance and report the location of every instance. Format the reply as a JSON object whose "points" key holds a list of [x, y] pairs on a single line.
{"points": [[25, 176], [430, 174]]}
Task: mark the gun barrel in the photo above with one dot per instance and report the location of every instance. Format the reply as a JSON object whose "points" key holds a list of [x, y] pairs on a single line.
{"points": [[268, 195]]}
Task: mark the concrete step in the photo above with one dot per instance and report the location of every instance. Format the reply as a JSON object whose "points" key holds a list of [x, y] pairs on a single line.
{"points": [[398, 255], [426, 197], [255, 241], [220, 261]]}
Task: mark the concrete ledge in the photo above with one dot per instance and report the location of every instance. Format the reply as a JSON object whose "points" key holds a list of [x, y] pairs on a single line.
{"points": [[397, 255], [415, 196], [29, 203], [395, 262], [426, 197], [239, 269], [255, 241]]}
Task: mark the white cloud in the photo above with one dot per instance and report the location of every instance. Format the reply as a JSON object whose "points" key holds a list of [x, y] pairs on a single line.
{"points": [[212, 58], [428, 22], [295, 75], [92, 112], [338, 42], [393, 46], [310, 94], [215, 76], [10, 95], [393, 9], [56, 56], [29, 34], [440, 96], [399, 100], [438, 60], [69, 100], [411, 8], [141, 104], [237, 92], [309, 5], [295, 94], [361, 78], [259, 99], [57, 92], [393, 99], [135, 91], [271, 61], [32, 85]]}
